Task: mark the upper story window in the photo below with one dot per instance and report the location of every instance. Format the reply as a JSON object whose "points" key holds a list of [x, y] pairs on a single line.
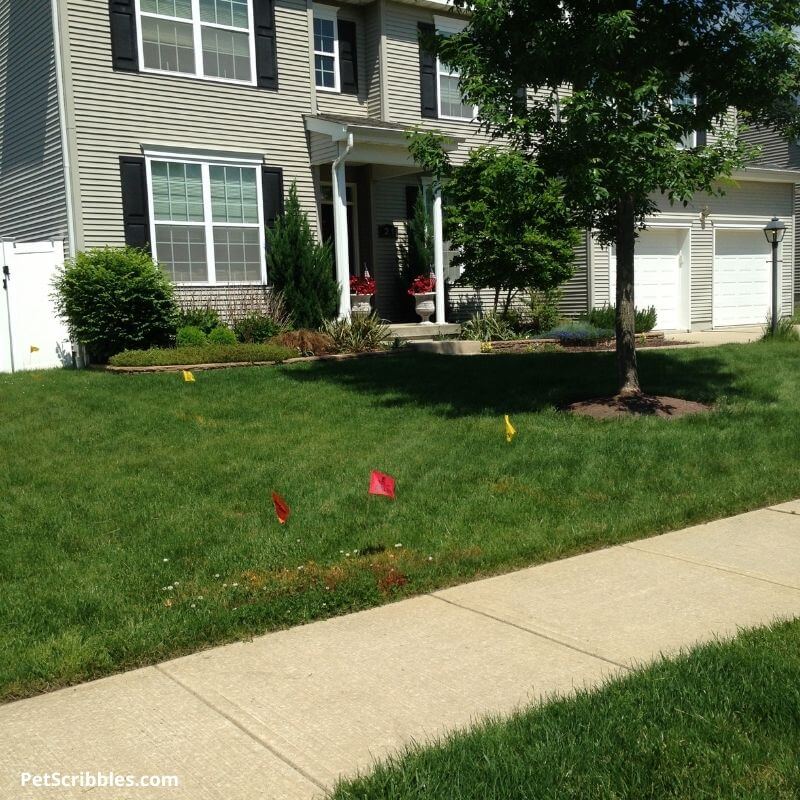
{"points": [[207, 219], [451, 100], [204, 38], [335, 51], [326, 48], [688, 141]]}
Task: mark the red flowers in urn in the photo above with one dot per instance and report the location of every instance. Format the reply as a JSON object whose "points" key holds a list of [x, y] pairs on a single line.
{"points": [[362, 284], [422, 285]]}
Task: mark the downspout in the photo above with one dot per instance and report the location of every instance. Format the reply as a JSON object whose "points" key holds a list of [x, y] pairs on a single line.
{"points": [[62, 123], [346, 152]]}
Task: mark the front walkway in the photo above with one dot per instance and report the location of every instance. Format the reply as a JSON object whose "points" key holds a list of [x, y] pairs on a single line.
{"points": [[284, 715], [740, 335]]}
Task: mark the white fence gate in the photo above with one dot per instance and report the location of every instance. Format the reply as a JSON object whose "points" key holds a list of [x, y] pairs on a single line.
{"points": [[32, 336]]}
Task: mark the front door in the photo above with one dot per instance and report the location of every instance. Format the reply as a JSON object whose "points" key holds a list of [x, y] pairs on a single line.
{"points": [[327, 226]]}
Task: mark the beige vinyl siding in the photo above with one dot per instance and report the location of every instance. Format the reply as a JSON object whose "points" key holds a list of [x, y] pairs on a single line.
{"points": [[796, 245], [322, 148], [116, 113], [402, 56], [775, 151], [32, 191], [575, 299], [373, 27], [353, 105]]}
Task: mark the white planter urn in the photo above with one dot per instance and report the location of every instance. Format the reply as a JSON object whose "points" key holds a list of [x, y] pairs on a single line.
{"points": [[360, 305], [425, 306]]}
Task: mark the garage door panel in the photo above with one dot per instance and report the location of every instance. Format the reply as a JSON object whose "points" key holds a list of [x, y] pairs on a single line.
{"points": [[657, 275], [742, 278]]}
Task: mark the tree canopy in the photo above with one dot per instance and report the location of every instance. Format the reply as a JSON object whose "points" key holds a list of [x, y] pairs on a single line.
{"points": [[617, 90]]}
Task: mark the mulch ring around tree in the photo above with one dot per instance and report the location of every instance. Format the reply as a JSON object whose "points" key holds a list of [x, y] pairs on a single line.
{"points": [[642, 405]]}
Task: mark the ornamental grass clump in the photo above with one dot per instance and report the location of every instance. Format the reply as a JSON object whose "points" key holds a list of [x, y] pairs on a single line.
{"points": [[357, 334], [488, 328]]}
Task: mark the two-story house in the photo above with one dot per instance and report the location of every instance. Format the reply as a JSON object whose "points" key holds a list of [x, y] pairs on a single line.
{"points": [[180, 124]]}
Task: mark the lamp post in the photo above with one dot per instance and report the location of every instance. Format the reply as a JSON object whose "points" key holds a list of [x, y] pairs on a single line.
{"points": [[774, 230]]}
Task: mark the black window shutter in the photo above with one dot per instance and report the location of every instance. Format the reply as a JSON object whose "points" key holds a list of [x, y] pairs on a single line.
{"points": [[272, 183], [266, 49], [702, 138], [124, 49], [348, 57], [412, 193], [428, 88], [135, 213], [521, 101]]}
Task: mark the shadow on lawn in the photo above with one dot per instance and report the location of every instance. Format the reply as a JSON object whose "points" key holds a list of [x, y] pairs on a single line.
{"points": [[527, 382]]}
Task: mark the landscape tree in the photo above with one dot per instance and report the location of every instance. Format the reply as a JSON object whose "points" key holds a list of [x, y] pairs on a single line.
{"points": [[615, 87], [506, 221], [301, 268], [416, 256]]}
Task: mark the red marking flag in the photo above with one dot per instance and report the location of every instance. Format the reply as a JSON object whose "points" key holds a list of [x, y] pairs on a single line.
{"points": [[282, 509], [381, 484]]}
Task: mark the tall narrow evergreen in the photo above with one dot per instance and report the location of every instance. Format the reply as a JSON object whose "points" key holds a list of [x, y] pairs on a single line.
{"points": [[301, 268]]}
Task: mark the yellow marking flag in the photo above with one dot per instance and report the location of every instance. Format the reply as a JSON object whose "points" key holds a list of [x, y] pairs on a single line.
{"points": [[34, 348], [188, 377], [511, 431]]}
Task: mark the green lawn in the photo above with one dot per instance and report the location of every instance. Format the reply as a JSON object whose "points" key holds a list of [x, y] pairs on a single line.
{"points": [[722, 723], [116, 488]]}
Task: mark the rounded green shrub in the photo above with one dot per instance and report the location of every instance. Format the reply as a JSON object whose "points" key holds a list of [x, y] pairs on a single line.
{"points": [[115, 299], [222, 334], [190, 336], [204, 318]]}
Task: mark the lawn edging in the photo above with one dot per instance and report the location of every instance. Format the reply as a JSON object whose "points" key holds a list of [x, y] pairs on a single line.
{"points": [[231, 364]]}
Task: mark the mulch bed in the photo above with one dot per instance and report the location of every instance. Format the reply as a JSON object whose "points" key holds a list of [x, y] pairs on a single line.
{"points": [[231, 364], [643, 405], [646, 340]]}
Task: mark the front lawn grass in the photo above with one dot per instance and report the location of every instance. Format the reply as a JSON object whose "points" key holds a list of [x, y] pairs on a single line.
{"points": [[721, 722], [136, 520]]}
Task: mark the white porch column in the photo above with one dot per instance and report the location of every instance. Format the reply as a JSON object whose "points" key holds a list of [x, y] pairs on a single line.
{"points": [[342, 242], [438, 252]]}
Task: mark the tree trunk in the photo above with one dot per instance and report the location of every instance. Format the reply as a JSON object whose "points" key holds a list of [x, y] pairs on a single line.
{"points": [[496, 298], [507, 301], [627, 368]]}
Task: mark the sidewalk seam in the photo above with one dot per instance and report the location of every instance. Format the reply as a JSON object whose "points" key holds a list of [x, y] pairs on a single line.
{"points": [[718, 567], [230, 718], [781, 511], [532, 632]]}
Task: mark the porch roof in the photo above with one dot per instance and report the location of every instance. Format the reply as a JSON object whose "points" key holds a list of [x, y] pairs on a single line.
{"points": [[374, 141]]}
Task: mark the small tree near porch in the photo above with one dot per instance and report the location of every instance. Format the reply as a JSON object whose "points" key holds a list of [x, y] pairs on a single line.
{"points": [[505, 219], [643, 77]]}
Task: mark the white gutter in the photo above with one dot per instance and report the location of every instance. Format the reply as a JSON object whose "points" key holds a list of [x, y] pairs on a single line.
{"points": [[767, 175], [62, 123]]}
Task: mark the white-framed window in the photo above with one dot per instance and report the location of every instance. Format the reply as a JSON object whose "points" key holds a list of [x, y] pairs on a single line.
{"points": [[326, 49], [206, 218], [451, 101], [210, 39], [689, 140]]}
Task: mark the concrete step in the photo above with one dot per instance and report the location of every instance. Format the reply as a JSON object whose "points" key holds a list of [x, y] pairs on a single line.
{"points": [[420, 330]]}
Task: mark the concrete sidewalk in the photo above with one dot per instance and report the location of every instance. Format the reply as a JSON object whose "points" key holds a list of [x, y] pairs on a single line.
{"points": [[286, 714]]}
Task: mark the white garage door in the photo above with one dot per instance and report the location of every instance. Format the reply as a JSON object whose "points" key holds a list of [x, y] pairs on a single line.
{"points": [[657, 275], [742, 277]]}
